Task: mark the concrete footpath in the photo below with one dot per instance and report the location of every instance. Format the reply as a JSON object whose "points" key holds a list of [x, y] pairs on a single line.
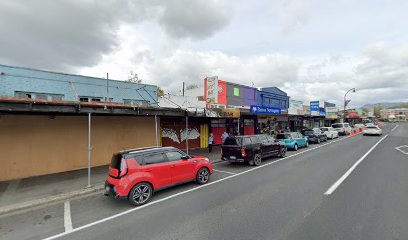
{"points": [[24, 193], [30, 192]]}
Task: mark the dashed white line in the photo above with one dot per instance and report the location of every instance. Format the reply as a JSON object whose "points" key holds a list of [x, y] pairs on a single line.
{"points": [[345, 175], [67, 217], [184, 192], [224, 171]]}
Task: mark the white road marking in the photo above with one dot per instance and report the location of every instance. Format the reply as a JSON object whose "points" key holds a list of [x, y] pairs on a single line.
{"points": [[394, 128], [67, 217], [184, 192], [224, 171], [403, 146], [345, 175]]}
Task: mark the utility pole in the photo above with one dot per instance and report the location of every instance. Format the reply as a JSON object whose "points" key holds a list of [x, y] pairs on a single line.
{"points": [[346, 102], [183, 89]]}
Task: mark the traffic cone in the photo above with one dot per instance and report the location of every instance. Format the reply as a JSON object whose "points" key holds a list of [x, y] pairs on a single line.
{"points": [[351, 133]]}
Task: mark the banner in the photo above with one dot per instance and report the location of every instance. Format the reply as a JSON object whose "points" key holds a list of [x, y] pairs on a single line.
{"points": [[211, 90], [264, 110]]}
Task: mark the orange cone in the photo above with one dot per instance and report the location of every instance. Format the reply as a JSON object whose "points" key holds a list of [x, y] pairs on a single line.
{"points": [[351, 133]]}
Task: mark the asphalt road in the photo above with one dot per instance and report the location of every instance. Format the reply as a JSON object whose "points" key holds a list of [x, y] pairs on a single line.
{"points": [[282, 199]]}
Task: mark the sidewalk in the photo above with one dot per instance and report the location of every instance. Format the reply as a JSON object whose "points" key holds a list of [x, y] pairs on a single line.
{"points": [[34, 191], [214, 156]]}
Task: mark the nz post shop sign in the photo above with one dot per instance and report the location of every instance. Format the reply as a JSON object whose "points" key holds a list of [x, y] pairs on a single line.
{"points": [[264, 110], [314, 108]]}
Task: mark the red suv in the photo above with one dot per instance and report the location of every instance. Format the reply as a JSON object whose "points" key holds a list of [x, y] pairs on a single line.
{"points": [[136, 174]]}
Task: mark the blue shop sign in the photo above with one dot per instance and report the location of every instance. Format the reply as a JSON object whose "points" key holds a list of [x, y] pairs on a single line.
{"points": [[264, 110], [314, 108]]}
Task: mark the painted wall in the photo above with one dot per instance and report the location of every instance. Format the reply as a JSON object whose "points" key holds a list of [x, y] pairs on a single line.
{"points": [[272, 97], [239, 95], [70, 86], [37, 145]]}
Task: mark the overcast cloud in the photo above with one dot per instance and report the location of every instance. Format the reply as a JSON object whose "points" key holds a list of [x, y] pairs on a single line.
{"points": [[313, 50]]}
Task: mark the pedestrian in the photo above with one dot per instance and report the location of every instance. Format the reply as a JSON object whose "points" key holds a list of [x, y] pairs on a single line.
{"points": [[210, 142], [224, 136]]}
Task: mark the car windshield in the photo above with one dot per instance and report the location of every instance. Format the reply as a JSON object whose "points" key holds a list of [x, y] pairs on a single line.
{"points": [[337, 125], [372, 127], [309, 132]]}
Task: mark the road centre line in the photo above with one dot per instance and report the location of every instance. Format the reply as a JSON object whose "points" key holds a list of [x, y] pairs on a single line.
{"points": [[67, 217], [224, 171], [346, 174], [184, 192]]}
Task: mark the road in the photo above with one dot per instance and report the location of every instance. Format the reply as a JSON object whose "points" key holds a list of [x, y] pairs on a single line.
{"points": [[282, 199]]}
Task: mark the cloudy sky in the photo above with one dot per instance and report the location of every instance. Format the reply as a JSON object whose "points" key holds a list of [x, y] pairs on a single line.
{"points": [[313, 50]]}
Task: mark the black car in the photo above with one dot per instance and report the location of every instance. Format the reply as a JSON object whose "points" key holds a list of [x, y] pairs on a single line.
{"points": [[251, 149], [314, 135]]}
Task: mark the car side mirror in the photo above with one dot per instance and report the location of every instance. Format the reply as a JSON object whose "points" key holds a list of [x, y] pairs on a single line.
{"points": [[186, 157]]}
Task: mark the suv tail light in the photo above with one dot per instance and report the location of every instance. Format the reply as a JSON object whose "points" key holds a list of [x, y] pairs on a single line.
{"points": [[123, 168], [243, 153]]}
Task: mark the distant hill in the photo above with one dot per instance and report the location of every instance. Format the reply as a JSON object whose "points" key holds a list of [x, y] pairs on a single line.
{"points": [[386, 105]]}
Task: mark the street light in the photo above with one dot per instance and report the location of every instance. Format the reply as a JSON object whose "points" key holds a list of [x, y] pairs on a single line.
{"points": [[347, 101]]}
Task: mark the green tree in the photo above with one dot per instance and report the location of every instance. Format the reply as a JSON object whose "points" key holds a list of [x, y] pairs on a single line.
{"points": [[134, 78], [160, 92]]}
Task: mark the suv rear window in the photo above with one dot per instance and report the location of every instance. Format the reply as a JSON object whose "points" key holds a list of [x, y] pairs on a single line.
{"points": [[337, 125], [116, 160], [232, 141]]}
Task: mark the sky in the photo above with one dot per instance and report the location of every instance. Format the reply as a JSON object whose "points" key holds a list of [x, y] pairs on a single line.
{"points": [[313, 50]]}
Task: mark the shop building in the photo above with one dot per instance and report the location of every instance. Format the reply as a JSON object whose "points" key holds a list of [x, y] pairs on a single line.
{"points": [[42, 85], [241, 104]]}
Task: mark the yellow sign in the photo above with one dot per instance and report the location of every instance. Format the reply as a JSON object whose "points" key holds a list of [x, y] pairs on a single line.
{"points": [[233, 113]]}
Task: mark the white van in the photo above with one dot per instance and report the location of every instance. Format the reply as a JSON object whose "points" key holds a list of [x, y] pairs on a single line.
{"points": [[342, 128]]}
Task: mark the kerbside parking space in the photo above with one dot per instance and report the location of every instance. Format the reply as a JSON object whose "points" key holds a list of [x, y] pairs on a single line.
{"points": [[72, 214]]}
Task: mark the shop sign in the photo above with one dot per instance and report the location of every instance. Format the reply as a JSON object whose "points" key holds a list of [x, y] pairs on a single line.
{"points": [[264, 110], [314, 108], [211, 90], [233, 113], [322, 112]]}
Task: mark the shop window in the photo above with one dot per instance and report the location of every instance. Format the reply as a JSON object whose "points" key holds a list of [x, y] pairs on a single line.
{"points": [[84, 99], [96, 99]]}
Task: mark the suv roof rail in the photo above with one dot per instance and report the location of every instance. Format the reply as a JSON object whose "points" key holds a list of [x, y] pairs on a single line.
{"points": [[139, 149]]}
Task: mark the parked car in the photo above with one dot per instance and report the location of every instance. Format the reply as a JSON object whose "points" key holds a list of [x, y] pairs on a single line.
{"points": [[330, 132], [342, 128], [251, 149], [293, 140], [314, 135], [135, 174], [359, 126], [372, 130]]}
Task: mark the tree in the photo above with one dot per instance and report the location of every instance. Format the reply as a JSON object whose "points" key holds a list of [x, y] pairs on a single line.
{"points": [[160, 92], [134, 78]]}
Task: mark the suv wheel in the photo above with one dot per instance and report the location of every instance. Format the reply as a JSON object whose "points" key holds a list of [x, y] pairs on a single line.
{"points": [[257, 159], [140, 194], [318, 140], [295, 147], [203, 176], [307, 144], [282, 152]]}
